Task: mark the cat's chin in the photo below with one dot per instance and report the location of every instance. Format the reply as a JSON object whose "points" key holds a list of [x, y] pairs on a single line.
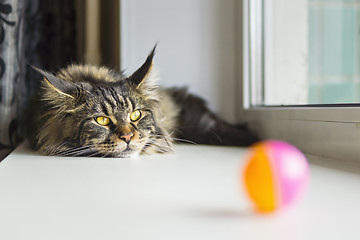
{"points": [[128, 153]]}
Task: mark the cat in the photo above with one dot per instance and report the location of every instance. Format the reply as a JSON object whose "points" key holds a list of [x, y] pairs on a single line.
{"points": [[85, 110]]}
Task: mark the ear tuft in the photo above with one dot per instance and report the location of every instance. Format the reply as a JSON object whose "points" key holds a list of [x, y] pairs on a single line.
{"points": [[60, 85], [141, 74]]}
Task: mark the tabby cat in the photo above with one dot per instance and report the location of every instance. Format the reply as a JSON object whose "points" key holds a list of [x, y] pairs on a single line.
{"points": [[85, 110]]}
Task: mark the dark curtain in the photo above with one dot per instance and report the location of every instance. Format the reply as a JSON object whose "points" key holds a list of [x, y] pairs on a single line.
{"points": [[32, 32]]}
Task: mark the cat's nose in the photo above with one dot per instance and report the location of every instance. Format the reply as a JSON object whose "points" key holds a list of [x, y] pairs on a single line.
{"points": [[127, 137]]}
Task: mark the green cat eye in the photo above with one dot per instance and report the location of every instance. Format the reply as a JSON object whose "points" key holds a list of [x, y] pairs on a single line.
{"points": [[135, 115], [103, 121]]}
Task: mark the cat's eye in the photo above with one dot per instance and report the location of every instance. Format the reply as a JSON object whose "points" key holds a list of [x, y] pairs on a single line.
{"points": [[103, 121], [135, 115]]}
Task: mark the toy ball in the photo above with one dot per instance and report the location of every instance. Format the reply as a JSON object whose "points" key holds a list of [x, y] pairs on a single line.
{"points": [[275, 175]]}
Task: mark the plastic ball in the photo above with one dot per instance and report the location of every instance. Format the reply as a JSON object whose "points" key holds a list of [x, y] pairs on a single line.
{"points": [[276, 174]]}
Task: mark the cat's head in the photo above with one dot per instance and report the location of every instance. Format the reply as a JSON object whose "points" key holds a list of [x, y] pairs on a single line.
{"points": [[91, 110]]}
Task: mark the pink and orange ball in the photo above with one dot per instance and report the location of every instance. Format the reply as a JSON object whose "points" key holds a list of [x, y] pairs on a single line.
{"points": [[276, 175]]}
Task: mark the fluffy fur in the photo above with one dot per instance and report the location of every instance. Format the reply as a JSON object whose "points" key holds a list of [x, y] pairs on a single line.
{"points": [[71, 101]]}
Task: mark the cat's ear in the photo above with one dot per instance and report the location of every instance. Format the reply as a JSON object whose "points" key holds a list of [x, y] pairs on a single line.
{"points": [[59, 85], [142, 74], [63, 87]]}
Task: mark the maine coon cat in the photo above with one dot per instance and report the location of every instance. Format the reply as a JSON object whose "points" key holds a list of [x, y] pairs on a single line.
{"points": [[86, 110]]}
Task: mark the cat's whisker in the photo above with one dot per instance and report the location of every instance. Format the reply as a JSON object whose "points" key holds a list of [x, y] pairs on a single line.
{"points": [[105, 155], [177, 139], [159, 147], [55, 150], [76, 151], [96, 154], [73, 149], [184, 140], [84, 152]]}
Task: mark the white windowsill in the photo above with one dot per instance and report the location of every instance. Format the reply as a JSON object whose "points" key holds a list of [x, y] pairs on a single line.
{"points": [[195, 193]]}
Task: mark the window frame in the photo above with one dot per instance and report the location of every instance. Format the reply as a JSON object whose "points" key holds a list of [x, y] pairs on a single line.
{"points": [[327, 132]]}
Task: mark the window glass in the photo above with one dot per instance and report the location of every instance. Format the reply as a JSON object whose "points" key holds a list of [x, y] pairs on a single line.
{"points": [[311, 52]]}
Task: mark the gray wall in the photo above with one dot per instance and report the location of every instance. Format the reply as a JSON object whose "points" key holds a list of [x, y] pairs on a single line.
{"points": [[196, 45]]}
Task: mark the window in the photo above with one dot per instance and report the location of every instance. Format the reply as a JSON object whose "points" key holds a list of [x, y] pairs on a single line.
{"points": [[310, 51], [301, 74]]}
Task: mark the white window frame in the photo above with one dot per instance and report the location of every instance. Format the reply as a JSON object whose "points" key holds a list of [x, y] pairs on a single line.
{"points": [[324, 132]]}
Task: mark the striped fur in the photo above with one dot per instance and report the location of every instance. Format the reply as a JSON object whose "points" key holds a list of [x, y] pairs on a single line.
{"points": [[71, 100]]}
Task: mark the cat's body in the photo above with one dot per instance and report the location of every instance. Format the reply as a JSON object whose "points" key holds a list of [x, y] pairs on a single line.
{"points": [[93, 111]]}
